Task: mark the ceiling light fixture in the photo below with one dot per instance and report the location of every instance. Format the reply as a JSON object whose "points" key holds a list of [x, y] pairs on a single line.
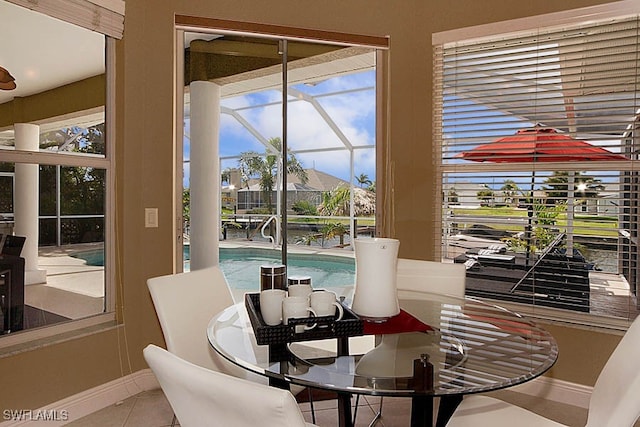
{"points": [[7, 82]]}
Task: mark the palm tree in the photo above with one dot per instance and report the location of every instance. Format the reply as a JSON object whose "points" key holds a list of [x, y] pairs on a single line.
{"points": [[337, 229], [265, 167], [337, 202], [363, 179], [225, 175], [509, 190], [557, 186], [485, 195]]}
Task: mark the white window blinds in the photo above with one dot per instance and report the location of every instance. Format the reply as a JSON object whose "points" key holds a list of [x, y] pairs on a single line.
{"points": [[103, 16], [537, 143]]}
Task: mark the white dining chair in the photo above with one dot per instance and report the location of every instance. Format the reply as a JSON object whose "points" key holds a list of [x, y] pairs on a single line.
{"points": [[427, 276], [185, 303], [202, 397], [431, 276], [615, 399]]}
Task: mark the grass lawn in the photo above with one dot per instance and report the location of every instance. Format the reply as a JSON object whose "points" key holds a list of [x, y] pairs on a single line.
{"points": [[584, 225]]}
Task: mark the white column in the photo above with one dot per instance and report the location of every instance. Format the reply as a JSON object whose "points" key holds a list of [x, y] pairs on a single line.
{"points": [[204, 174], [25, 210]]}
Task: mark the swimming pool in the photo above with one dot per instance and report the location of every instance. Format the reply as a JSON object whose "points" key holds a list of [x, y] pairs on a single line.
{"points": [[92, 256], [241, 266]]}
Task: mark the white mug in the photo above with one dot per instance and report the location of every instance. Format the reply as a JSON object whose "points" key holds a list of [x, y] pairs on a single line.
{"points": [[324, 303], [296, 308], [271, 305], [301, 290], [299, 280]]}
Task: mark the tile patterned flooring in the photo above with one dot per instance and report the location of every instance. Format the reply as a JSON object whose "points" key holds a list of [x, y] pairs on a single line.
{"points": [[151, 409]]}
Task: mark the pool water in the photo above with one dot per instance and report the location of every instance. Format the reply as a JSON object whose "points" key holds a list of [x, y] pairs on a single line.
{"points": [[241, 266], [92, 257]]}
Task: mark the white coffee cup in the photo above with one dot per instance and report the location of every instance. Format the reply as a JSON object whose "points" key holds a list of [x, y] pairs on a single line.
{"points": [[325, 303], [296, 308], [271, 305], [301, 290]]}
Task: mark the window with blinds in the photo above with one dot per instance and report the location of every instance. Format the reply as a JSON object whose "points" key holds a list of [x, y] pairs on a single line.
{"points": [[537, 143]]}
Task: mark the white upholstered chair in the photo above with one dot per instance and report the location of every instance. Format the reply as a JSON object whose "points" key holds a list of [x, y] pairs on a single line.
{"points": [[202, 397], [615, 400], [185, 303], [431, 276], [428, 276]]}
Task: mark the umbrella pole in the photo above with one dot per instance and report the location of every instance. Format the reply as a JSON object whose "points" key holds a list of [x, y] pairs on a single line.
{"points": [[528, 227], [570, 202]]}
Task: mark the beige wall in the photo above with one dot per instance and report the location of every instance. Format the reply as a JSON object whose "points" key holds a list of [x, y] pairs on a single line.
{"points": [[145, 157]]}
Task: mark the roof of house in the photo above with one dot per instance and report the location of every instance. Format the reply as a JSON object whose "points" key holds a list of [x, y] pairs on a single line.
{"points": [[291, 186], [318, 181]]}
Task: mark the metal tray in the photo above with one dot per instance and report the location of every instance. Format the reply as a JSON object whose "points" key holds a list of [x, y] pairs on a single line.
{"points": [[349, 326]]}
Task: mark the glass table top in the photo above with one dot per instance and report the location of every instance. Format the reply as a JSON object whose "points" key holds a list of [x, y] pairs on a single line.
{"points": [[472, 347]]}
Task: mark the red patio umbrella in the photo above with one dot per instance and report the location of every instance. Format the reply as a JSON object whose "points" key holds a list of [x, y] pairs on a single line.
{"points": [[539, 144]]}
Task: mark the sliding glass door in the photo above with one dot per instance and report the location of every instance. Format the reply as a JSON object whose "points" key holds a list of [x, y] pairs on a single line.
{"points": [[294, 163]]}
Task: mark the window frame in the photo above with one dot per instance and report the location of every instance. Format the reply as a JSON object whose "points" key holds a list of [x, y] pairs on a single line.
{"points": [[619, 9], [185, 23], [28, 338]]}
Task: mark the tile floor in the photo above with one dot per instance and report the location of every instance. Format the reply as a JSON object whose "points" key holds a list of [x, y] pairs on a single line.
{"points": [[151, 409]]}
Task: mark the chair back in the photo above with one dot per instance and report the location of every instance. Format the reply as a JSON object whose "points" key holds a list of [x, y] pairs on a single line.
{"points": [[615, 400], [12, 245], [185, 304], [431, 276], [200, 397]]}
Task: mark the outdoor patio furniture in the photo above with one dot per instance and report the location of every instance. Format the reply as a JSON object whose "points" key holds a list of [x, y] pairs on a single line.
{"points": [[12, 293], [561, 280], [507, 261], [13, 245], [554, 279]]}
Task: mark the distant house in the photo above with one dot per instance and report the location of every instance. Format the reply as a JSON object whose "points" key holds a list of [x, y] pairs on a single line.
{"points": [[318, 183], [606, 202], [463, 193]]}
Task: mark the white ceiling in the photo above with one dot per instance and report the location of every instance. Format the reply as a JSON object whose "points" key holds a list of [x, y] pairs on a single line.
{"points": [[42, 53]]}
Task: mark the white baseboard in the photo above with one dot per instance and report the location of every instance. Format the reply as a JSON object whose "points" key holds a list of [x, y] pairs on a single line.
{"points": [[556, 391], [89, 401], [82, 404]]}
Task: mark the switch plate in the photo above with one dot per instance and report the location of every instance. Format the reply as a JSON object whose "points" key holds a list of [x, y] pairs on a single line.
{"points": [[150, 217]]}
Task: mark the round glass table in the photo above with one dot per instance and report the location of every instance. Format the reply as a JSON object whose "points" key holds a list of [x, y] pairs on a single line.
{"points": [[467, 346]]}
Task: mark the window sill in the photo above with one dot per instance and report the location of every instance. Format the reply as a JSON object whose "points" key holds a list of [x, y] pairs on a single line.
{"points": [[29, 340], [576, 320]]}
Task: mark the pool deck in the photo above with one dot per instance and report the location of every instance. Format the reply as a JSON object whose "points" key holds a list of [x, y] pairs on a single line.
{"points": [[75, 290], [292, 249]]}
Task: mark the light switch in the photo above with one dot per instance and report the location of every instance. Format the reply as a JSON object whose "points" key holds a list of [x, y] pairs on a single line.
{"points": [[150, 217]]}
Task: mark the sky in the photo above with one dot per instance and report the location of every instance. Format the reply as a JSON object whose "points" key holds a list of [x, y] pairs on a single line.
{"points": [[352, 112]]}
